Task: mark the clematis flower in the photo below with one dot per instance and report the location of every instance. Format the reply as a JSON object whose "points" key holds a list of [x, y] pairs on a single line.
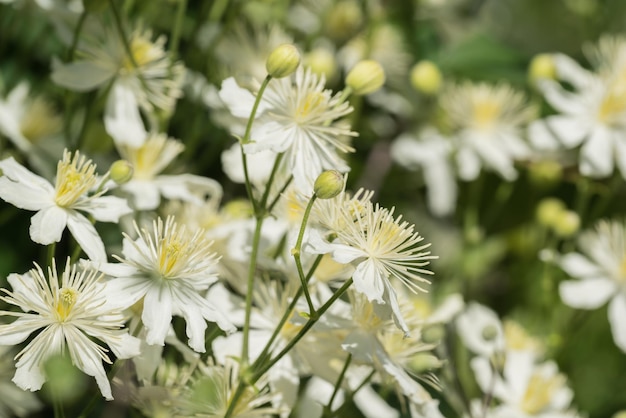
{"points": [[167, 268], [147, 81], [59, 206], [298, 116], [380, 246], [599, 275], [70, 313]]}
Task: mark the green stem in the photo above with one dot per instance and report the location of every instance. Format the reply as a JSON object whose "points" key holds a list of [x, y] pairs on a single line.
{"points": [[270, 181], [296, 255], [329, 406], [249, 291], [279, 194], [305, 328], [178, 26], [217, 10], [286, 315], [75, 37], [50, 253]]}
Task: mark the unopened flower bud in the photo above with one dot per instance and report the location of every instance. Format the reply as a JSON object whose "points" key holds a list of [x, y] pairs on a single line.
{"points": [[489, 333], [567, 224], [283, 61], [548, 211], [328, 184], [433, 334], [426, 77], [366, 77], [321, 61], [424, 362], [541, 67], [545, 173], [121, 171]]}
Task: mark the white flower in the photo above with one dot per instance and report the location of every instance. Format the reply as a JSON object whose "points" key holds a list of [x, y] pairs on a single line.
{"points": [[58, 206], [148, 81], [487, 121], [432, 153], [299, 117], [380, 246], [525, 388], [481, 330], [70, 313], [593, 114], [599, 271], [147, 184], [168, 268]]}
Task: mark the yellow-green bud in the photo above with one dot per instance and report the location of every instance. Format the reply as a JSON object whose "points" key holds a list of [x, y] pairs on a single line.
{"points": [[328, 184], [620, 414], [321, 61], [424, 362], [545, 173], [366, 77], [567, 224], [433, 334], [549, 210], [426, 77], [238, 209], [541, 67], [343, 20], [489, 333], [283, 61], [121, 171]]}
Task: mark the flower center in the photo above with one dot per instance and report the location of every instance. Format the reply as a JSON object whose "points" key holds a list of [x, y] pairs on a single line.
{"points": [[153, 156], [539, 392], [171, 254], [74, 178], [485, 114], [143, 52], [613, 105], [65, 302], [310, 104]]}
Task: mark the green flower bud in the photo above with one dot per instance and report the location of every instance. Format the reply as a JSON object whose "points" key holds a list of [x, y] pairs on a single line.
{"points": [[541, 67], [548, 211], [283, 61], [424, 362], [121, 171], [366, 77], [433, 334], [545, 173], [321, 61], [426, 77], [567, 224], [490, 332], [328, 184]]}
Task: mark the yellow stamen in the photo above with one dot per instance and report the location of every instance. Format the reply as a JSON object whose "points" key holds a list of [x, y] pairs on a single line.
{"points": [[65, 302], [74, 178], [311, 102], [539, 392], [486, 113]]}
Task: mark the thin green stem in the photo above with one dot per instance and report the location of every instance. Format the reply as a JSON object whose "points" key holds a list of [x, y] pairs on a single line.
{"points": [[296, 255], [249, 291], [261, 358], [305, 328], [178, 27], [255, 107], [217, 10], [75, 36], [270, 181], [329, 406], [270, 207], [50, 253]]}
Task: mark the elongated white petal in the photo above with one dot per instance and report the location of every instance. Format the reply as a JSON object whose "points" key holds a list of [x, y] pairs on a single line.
{"points": [[47, 225], [238, 100], [82, 75], [121, 117], [368, 280], [86, 236], [577, 265], [157, 314], [587, 293], [617, 319], [106, 208], [597, 153]]}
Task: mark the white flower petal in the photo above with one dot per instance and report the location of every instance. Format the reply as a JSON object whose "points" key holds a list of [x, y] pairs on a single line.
{"points": [[587, 293], [468, 164], [238, 100], [596, 155], [47, 225], [157, 314], [442, 188], [368, 280], [86, 236], [82, 75], [570, 130], [106, 208], [617, 319], [579, 266], [121, 117]]}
